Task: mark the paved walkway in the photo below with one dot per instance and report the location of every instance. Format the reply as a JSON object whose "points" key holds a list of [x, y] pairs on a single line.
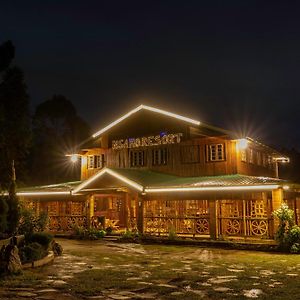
{"points": [[187, 273]]}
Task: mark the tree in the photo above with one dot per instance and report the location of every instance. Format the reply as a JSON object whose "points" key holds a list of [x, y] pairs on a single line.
{"points": [[7, 53], [15, 127], [13, 215], [57, 129], [3, 215]]}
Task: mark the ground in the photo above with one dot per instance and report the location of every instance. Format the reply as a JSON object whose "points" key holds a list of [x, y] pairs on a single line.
{"points": [[108, 270]]}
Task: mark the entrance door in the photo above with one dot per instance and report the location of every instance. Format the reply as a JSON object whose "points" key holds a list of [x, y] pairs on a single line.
{"points": [[112, 207]]}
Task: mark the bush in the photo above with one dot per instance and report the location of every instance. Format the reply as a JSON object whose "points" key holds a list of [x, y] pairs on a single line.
{"points": [[88, 234], [295, 248], [129, 235], [27, 221], [172, 234], [31, 252], [42, 238], [288, 234]]}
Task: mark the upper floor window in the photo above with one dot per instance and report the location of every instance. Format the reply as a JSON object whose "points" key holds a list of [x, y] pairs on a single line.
{"points": [[137, 158], [189, 154], [96, 161], [251, 156], [159, 157], [216, 152], [258, 158], [90, 162], [244, 155]]}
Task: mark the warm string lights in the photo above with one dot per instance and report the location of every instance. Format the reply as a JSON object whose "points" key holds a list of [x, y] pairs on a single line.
{"points": [[149, 108]]}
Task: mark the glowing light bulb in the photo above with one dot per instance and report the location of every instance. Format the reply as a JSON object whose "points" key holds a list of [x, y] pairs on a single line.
{"points": [[74, 158], [242, 144]]}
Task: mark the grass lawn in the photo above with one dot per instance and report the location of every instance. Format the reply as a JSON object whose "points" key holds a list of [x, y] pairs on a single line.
{"points": [[132, 271]]}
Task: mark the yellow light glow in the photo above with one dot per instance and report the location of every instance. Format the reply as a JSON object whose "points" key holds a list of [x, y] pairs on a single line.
{"points": [[208, 189], [286, 187], [160, 111], [74, 158], [42, 193], [281, 159], [242, 144], [112, 173]]}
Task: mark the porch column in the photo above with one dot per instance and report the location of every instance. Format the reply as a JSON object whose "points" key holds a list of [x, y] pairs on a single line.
{"points": [[212, 219], [277, 200], [91, 202], [140, 214]]}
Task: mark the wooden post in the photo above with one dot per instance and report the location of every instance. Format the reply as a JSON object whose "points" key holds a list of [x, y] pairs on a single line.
{"points": [[127, 209], [213, 219], [91, 201], [277, 200], [140, 214]]}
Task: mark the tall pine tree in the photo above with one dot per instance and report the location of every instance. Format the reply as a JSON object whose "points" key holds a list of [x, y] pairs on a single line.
{"points": [[15, 130]]}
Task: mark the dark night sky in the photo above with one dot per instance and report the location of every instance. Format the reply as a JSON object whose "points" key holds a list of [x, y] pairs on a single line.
{"points": [[234, 64]]}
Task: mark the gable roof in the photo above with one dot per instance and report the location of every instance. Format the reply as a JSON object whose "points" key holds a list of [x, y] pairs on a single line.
{"points": [[148, 108], [146, 181]]}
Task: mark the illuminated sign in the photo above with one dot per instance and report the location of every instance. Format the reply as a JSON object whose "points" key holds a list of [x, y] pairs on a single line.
{"points": [[172, 138]]}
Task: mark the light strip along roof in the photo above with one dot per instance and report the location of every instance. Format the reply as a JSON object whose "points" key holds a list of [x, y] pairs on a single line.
{"points": [[146, 181], [149, 108], [58, 189], [154, 182]]}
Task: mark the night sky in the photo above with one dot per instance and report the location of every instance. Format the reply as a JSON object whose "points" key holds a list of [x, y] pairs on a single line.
{"points": [[234, 64]]}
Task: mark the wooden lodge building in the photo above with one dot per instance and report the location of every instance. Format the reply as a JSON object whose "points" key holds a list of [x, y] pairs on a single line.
{"points": [[157, 172]]}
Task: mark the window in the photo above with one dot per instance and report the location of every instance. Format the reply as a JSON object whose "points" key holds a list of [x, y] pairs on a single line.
{"points": [[96, 161], [137, 158], [159, 157], [216, 152], [251, 156], [190, 154], [244, 155], [258, 158], [90, 162]]}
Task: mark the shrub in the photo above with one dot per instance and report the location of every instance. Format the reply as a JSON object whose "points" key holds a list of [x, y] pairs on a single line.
{"points": [[42, 221], [129, 235], [295, 248], [42, 238], [88, 234], [27, 221], [288, 234], [172, 234], [31, 252], [13, 215], [30, 223]]}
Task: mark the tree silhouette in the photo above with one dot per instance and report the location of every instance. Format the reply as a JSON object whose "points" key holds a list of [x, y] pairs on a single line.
{"points": [[57, 129], [15, 127], [7, 53]]}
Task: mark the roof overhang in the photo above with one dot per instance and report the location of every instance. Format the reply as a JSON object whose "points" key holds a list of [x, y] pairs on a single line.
{"points": [[149, 108]]}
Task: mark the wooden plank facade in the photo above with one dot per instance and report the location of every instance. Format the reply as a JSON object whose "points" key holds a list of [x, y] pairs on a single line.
{"points": [[158, 172]]}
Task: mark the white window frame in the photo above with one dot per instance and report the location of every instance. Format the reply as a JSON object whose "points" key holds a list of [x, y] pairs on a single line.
{"points": [[216, 152]]}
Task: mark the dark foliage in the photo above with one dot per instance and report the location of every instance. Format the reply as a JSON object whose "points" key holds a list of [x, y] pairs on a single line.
{"points": [[15, 128], [42, 238], [290, 170], [7, 53], [3, 215], [57, 130], [13, 215], [31, 252]]}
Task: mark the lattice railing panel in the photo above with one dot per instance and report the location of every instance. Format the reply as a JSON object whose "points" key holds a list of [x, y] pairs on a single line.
{"points": [[185, 217]]}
